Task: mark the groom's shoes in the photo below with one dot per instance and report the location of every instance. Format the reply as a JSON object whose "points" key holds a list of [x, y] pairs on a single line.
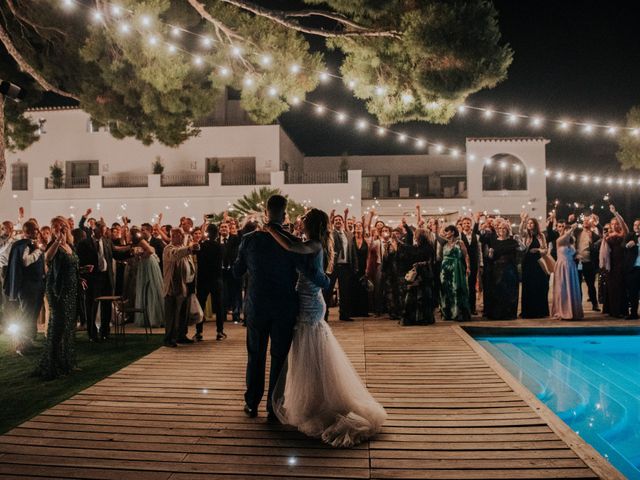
{"points": [[250, 412], [272, 418]]}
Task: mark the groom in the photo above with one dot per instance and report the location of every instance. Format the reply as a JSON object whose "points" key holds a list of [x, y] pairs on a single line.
{"points": [[271, 304]]}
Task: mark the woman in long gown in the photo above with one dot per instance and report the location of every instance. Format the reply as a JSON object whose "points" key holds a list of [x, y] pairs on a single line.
{"points": [[502, 286], [454, 289], [618, 231], [420, 302], [535, 282], [148, 282], [320, 393], [360, 292], [62, 287], [567, 294]]}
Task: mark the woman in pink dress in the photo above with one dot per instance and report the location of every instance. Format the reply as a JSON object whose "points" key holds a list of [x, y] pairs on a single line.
{"points": [[567, 296]]}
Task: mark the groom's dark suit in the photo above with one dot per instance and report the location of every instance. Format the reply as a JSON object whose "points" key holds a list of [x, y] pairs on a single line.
{"points": [[271, 307]]}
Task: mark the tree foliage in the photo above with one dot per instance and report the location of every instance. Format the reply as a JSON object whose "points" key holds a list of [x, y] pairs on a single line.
{"points": [[255, 203], [629, 145], [435, 52]]}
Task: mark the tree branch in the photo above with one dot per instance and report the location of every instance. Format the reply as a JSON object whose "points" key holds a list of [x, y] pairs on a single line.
{"points": [[280, 16], [26, 67], [321, 13], [219, 26], [22, 19]]}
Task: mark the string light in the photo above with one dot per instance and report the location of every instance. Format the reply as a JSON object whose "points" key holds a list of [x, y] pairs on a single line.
{"points": [[265, 59]]}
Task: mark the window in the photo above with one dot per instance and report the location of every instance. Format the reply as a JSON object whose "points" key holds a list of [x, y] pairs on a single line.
{"points": [[504, 172], [413, 185], [19, 176], [375, 186], [78, 172]]}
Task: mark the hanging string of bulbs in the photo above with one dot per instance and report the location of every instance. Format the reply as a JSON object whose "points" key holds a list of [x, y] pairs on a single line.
{"points": [[126, 24]]}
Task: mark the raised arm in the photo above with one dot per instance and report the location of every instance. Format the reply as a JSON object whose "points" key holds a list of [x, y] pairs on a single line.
{"points": [[287, 243], [564, 240], [623, 224]]}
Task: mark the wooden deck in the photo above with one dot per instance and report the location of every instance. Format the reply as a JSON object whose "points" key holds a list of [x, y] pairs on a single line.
{"points": [[177, 414]]}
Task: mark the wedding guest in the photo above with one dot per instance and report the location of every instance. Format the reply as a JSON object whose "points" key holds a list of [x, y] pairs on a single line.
{"points": [[232, 295], [470, 238], [176, 277], [567, 295], [152, 236], [586, 237], [209, 281], [7, 238], [62, 286], [502, 287], [24, 282], [454, 293], [615, 276], [149, 281], [420, 301], [359, 289], [535, 281], [632, 270], [344, 267]]}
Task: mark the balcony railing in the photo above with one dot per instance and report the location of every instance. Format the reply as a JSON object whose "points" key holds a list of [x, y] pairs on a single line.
{"points": [[316, 177], [129, 181], [246, 178], [184, 180], [68, 182]]}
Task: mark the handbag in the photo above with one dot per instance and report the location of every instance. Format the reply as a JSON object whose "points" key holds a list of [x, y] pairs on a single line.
{"points": [[411, 275], [196, 315], [366, 284], [547, 263]]}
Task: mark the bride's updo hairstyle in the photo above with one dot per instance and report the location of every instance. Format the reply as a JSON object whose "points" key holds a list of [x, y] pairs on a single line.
{"points": [[316, 223]]}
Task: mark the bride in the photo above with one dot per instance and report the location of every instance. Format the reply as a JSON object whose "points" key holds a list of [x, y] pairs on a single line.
{"points": [[320, 393]]}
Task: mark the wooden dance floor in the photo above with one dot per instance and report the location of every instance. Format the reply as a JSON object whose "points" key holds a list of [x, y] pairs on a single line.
{"points": [[177, 414]]}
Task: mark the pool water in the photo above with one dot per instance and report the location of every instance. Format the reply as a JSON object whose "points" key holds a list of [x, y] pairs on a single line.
{"points": [[592, 382]]}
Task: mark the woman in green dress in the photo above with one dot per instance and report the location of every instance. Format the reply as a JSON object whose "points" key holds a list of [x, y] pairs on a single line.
{"points": [[62, 287], [454, 291]]}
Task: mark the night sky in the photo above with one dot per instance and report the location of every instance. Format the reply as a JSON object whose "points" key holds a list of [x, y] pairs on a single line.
{"points": [[579, 60]]}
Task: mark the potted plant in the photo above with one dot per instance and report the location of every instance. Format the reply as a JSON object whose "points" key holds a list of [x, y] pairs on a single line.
{"points": [[56, 175], [214, 167], [157, 167]]}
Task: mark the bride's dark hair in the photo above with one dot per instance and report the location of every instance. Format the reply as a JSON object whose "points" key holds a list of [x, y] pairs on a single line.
{"points": [[316, 223]]}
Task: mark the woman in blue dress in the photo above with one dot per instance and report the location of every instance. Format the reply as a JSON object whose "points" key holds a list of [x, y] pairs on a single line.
{"points": [[320, 393]]}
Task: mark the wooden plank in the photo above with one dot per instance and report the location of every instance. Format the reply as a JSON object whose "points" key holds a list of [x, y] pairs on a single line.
{"points": [[174, 415]]}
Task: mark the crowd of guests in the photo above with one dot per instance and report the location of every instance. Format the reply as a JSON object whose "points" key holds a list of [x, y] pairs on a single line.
{"points": [[409, 272]]}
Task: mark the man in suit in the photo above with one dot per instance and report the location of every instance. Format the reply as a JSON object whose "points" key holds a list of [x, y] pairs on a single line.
{"points": [[586, 237], [177, 275], [271, 303], [632, 269], [158, 245], [471, 240], [96, 256], [344, 266], [232, 286], [209, 280]]}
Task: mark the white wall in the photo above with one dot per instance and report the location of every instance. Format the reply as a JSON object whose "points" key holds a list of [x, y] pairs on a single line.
{"points": [[67, 138], [141, 204], [531, 151]]}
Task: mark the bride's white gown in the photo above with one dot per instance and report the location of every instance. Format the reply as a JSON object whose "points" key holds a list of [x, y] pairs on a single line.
{"points": [[320, 393]]}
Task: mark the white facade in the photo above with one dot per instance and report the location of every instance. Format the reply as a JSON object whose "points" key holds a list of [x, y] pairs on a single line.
{"points": [[113, 177]]}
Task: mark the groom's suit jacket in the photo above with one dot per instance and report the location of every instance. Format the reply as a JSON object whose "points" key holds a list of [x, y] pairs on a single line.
{"points": [[272, 276]]}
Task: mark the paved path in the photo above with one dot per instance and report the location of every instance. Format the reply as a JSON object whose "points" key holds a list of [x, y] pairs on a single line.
{"points": [[177, 414]]}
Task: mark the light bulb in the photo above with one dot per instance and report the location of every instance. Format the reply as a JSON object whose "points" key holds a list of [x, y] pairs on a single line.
{"points": [[488, 113], [588, 128], [612, 130], [248, 82], [207, 41], [116, 10], [564, 125], [273, 91], [197, 60], [536, 122], [381, 131], [295, 68], [439, 148], [145, 20], [295, 101], [124, 28], [266, 60], [407, 98], [171, 48], [97, 16], [319, 109], [379, 90], [153, 40], [236, 51], [462, 109], [224, 71], [635, 132], [472, 157], [351, 84], [513, 118], [402, 137], [455, 152], [175, 31], [341, 117], [420, 143], [324, 76], [362, 124]]}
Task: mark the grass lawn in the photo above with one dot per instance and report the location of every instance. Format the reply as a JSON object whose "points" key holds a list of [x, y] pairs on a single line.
{"points": [[23, 395]]}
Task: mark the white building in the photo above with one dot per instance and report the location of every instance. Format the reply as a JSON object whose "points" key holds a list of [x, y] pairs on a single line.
{"points": [[232, 157]]}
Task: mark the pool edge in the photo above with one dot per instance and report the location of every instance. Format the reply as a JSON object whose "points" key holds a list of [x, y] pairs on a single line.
{"points": [[589, 455]]}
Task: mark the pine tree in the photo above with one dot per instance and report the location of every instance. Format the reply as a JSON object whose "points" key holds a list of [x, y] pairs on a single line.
{"points": [[409, 60]]}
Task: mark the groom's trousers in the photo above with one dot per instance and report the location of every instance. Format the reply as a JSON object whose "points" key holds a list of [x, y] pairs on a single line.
{"points": [[278, 328]]}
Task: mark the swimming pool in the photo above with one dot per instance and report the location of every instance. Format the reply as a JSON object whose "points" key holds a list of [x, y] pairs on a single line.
{"points": [[592, 382]]}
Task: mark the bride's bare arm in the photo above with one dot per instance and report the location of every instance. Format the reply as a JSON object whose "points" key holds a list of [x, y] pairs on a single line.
{"points": [[297, 247]]}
